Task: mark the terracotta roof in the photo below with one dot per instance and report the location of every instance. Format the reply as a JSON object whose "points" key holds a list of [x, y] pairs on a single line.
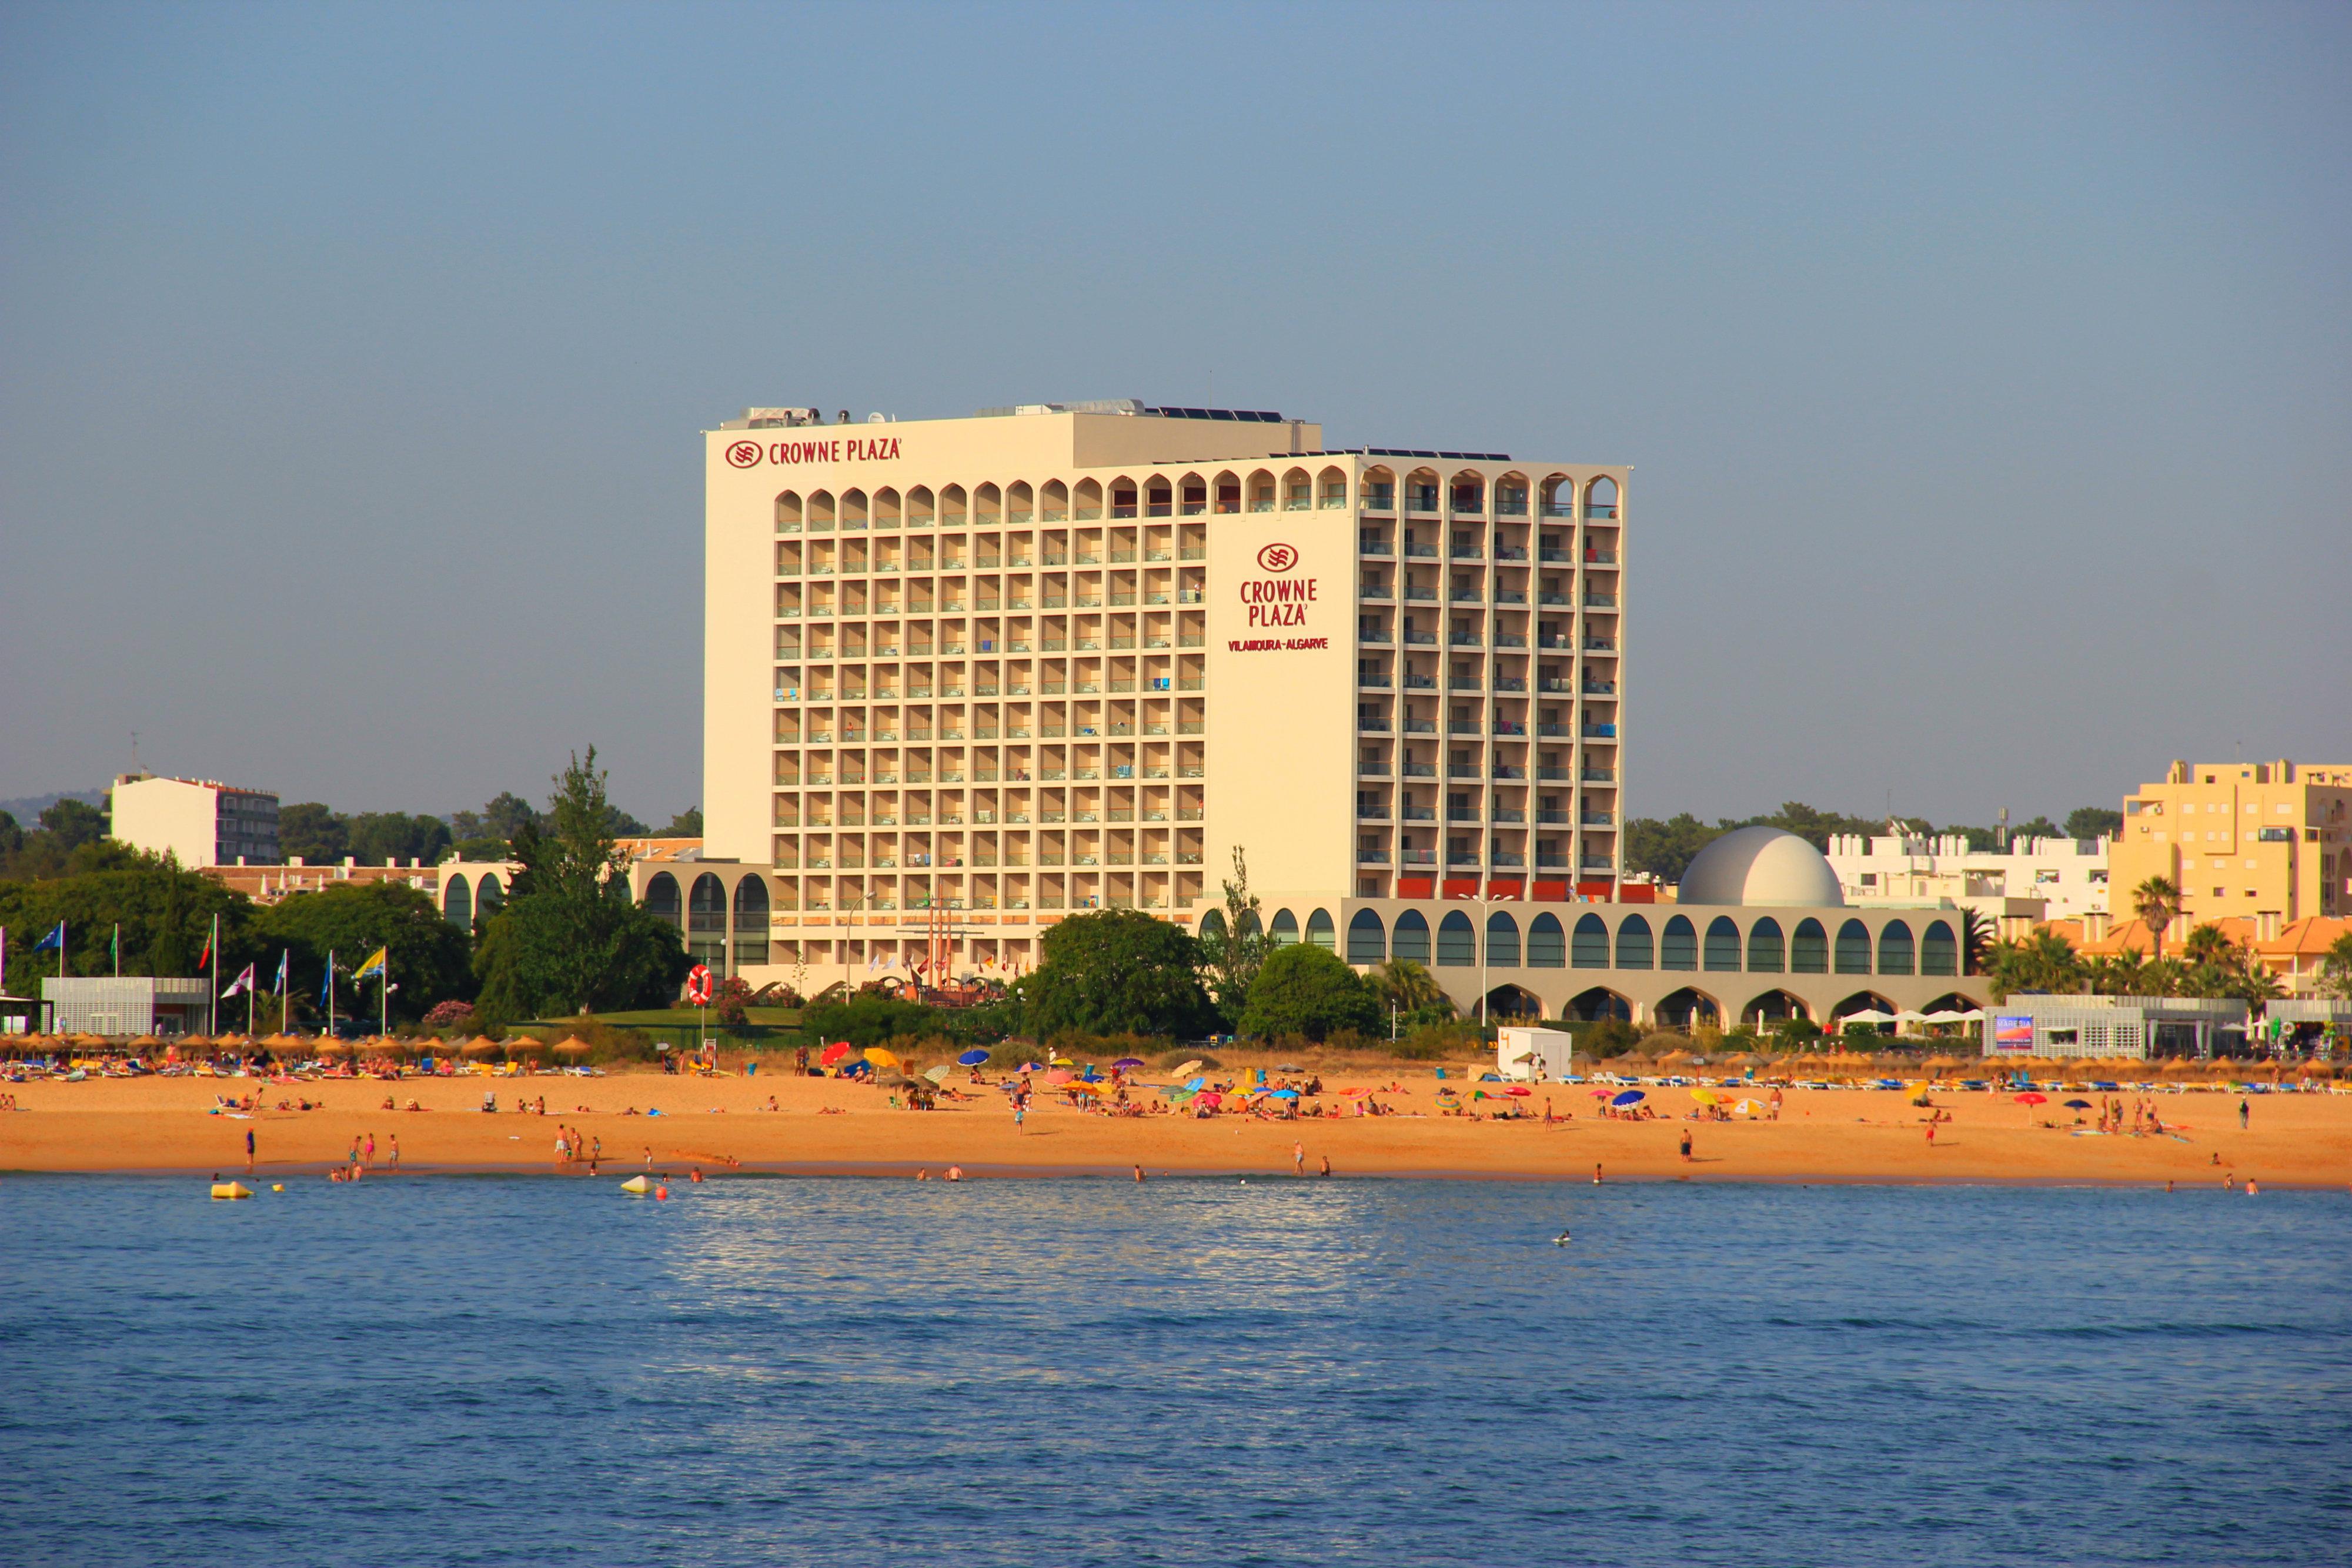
{"points": [[2307, 939]]}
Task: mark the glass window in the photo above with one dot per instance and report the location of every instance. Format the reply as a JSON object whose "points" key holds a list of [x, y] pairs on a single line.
{"points": [[1633, 944], [1547, 943]]}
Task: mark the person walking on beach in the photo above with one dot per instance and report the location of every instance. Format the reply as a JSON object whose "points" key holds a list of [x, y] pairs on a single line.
{"points": [[1326, 1165], [1686, 1145], [1596, 1173], [1019, 1112], [391, 1155], [1298, 1159], [370, 1150], [1931, 1133], [2242, 1111], [248, 1151]]}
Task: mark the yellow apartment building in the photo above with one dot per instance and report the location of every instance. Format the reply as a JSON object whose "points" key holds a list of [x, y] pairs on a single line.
{"points": [[2253, 838], [987, 672]]}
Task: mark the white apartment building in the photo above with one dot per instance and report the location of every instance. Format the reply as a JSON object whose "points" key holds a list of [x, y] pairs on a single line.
{"points": [[2031, 881], [984, 673], [202, 820]]}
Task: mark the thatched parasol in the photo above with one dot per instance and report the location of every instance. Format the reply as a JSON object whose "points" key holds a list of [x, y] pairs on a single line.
{"points": [[331, 1048], [573, 1045], [481, 1045]]}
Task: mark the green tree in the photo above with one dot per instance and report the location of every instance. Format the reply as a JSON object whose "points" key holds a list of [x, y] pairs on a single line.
{"points": [[568, 939], [1665, 848], [686, 824], [1302, 989], [75, 822], [164, 913], [1233, 954], [2094, 822], [2158, 901], [312, 832], [379, 838], [1118, 971], [427, 955]]}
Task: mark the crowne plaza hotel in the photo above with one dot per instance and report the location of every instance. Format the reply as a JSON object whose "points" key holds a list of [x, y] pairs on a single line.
{"points": [[979, 675]]}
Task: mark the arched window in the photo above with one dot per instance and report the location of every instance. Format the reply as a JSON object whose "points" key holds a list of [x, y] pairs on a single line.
{"points": [[1321, 933], [1590, 950], [488, 897], [458, 901], [706, 922], [1679, 950], [1894, 948], [1547, 943], [1411, 938], [1633, 947], [1212, 926], [1722, 942], [1854, 948], [1502, 941], [661, 898], [1285, 930], [1766, 954], [752, 921], [1808, 950], [1601, 499], [1457, 941], [1368, 939], [1247, 924], [1939, 954]]}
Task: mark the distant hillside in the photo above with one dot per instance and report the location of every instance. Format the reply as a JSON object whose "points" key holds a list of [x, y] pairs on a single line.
{"points": [[27, 809]]}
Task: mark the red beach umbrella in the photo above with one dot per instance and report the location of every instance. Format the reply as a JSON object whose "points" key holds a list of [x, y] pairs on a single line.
{"points": [[835, 1051]]}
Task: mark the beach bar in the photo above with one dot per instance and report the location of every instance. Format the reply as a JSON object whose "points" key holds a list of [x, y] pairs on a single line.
{"points": [[2126, 1026], [129, 1004]]}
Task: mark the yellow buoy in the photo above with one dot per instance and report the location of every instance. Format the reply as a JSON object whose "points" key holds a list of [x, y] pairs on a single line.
{"points": [[637, 1186], [231, 1189], [277, 1186]]}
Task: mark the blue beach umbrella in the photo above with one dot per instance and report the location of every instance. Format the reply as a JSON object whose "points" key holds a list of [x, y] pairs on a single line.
{"points": [[1631, 1097], [971, 1058], [1284, 1094]]}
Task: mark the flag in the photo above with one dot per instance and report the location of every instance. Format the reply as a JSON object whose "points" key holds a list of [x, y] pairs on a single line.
{"points": [[327, 988], [372, 968], [242, 983], [114, 947], [206, 955], [56, 939], [284, 953]]}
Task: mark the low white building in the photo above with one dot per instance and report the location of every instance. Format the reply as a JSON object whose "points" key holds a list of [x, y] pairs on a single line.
{"points": [[2031, 881], [202, 820]]}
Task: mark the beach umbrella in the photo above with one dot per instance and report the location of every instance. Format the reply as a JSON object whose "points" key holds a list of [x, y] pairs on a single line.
{"points": [[2078, 1105], [1212, 1099], [1706, 1096], [1186, 1067], [2030, 1098], [1081, 1086], [1127, 1061], [1351, 1093], [524, 1042], [1747, 1108], [1196, 1083], [332, 1048], [1061, 1075], [1060, 1061], [936, 1075], [971, 1058], [835, 1051], [1600, 1093], [482, 1045], [572, 1046], [1285, 1095], [880, 1058], [1630, 1097], [1518, 1089]]}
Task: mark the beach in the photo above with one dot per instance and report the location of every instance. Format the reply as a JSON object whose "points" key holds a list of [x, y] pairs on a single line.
{"points": [[722, 1125]]}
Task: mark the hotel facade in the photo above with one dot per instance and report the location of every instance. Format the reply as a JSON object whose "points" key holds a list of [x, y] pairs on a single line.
{"points": [[965, 678], [1053, 659]]}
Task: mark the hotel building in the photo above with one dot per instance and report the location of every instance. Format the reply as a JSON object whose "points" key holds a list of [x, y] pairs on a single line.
{"points": [[202, 820], [2256, 839], [989, 672]]}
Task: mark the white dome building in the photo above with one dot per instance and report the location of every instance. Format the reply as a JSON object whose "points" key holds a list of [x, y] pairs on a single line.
{"points": [[1760, 866]]}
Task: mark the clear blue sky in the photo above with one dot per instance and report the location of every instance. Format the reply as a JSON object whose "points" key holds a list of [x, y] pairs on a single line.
{"points": [[1985, 369]]}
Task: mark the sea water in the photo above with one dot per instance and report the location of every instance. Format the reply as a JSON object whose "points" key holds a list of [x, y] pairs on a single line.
{"points": [[541, 1371]]}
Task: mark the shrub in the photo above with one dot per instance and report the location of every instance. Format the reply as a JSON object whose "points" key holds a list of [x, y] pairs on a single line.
{"points": [[1305, 991], [728, 1000]]}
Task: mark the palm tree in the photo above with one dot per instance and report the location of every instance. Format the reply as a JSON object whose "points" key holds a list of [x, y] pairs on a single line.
{"points": [[2207, 944], [2158, 901], [1409, 988], [2044, 961], [2336, 968]]}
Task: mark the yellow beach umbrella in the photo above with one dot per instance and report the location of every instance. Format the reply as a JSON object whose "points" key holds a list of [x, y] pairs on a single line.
{"points": [[1706, 1096], [1747, 1108], [879, 1057]]}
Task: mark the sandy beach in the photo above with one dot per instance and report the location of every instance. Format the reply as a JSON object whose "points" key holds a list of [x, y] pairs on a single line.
{"points": [[166, 1125]]}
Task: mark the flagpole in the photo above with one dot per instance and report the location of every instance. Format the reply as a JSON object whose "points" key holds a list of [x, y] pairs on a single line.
{"points": [[284, 989], [118, 950], [384, 997], [212, 1003], [331, 993]]}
